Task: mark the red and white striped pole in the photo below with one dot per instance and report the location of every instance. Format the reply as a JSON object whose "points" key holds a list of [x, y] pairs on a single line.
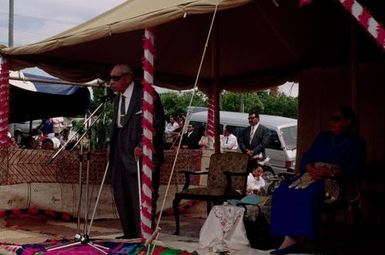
{"points": [[148, 132], [4, 103], [210, 120], [366, 20]]}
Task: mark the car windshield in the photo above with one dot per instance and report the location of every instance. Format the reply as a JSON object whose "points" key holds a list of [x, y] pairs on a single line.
{"points": [[289, 135]]}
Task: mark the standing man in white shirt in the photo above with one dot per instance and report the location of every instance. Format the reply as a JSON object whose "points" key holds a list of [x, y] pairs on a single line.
{"points": [[171, 125], [253, 140], [171, 131], [229, 140]]}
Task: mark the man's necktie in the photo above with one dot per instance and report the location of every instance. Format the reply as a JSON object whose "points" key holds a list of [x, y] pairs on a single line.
{"points": [[122, 108], [252, 129]]}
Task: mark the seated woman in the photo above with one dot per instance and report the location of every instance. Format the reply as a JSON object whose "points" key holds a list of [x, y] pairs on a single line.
{"points": [[296, 204]]}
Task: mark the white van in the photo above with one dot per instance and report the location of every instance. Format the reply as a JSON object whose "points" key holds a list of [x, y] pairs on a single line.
{"points": [[282, 148]]}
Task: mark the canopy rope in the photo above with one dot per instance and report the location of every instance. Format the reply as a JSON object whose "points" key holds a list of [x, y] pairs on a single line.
{"points": [[187, 116]]}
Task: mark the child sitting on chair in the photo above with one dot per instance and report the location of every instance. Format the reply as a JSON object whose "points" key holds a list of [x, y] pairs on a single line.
{"points": [[255, 181]]}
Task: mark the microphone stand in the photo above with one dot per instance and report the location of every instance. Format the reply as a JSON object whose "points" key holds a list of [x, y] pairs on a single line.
{"points": [[83, 130]]}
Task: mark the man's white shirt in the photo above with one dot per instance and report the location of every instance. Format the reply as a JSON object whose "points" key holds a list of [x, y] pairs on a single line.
{"points": [[253, 183], [229, 142], [171, 127], [252, 131], [128, 94]]}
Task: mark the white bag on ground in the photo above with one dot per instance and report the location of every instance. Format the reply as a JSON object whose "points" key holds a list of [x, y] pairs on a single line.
{"points": [[224, 229]]}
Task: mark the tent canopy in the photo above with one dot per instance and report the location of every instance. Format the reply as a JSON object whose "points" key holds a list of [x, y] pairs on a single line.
{"points": [[253, 45], [37, 100]]}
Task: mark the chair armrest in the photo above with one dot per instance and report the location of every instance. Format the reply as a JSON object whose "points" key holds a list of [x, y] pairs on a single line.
{"points": [[193, 173], [229, 176], [187, 176]]}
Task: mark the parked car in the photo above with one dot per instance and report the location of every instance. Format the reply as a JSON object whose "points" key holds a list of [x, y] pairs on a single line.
{"points": [[282, 148]]}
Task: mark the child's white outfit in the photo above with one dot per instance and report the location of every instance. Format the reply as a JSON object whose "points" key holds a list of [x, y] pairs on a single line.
{"points": [[253, 183]]}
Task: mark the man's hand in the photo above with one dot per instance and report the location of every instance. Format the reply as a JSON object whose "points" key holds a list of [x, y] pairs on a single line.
{"points": [[250, 153], [138, 153]]}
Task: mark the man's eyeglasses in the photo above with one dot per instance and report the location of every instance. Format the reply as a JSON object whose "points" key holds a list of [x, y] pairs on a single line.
{"points": [[117, 77], [250, 118]]}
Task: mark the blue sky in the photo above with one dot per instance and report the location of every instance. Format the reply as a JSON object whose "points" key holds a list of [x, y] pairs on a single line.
{"points": [[36, 20]]}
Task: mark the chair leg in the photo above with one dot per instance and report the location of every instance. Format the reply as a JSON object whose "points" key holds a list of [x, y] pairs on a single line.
{"points": [[175, 205], [208, 207]]}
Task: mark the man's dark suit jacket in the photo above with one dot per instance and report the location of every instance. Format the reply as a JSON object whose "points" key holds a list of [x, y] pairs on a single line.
{"points": [[132, 126], [122, 162], [191, 141], [260, 140]]}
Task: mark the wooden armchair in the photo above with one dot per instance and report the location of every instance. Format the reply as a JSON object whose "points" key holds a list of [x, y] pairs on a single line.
{"points": [[227, 178]]}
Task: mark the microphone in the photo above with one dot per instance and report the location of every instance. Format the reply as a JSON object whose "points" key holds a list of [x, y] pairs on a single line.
{"points": [[108, 97]]}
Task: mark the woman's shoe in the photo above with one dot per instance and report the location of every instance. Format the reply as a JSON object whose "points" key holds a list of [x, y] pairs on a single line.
{"points": [[294, 248]]}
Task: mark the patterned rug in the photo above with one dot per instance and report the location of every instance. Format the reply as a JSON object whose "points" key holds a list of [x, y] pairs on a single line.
{"points": [[90, 248]]}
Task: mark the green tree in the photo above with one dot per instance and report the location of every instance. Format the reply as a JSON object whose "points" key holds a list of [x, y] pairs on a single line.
{"points": [[176, 103], [101, 130], [262, 102]]}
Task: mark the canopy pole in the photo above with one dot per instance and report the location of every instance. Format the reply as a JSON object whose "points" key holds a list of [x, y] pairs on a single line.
{"points": [[4, 103], [61, 82], [215, 87], [366, 20], [148, 165]]}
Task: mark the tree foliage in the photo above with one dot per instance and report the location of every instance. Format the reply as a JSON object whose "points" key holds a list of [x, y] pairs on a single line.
{"points": [[262, 102], [176, 103]]}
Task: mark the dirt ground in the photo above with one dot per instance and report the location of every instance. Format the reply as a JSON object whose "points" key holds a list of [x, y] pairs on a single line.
{"points": [[27, 228]]}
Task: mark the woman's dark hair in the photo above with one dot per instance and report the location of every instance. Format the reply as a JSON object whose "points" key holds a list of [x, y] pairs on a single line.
{"points": [[349, 113]]}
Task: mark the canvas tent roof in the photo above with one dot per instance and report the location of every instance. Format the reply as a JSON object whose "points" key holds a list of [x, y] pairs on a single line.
{"points": [[254, 44]]}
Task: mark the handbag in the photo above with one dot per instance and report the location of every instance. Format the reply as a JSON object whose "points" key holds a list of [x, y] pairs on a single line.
{"points": [[257, 229]]}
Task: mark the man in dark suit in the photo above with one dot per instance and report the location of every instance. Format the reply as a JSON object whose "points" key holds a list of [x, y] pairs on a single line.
{"points": [[190, 139], [126, 147], [253, 140]]}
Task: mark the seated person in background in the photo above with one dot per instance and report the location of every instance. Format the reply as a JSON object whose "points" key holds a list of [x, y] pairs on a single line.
{"points": [[47, 144], [255, 181], [229, 140], [56, 140], [171, 131], [190, 139], [33, 140], [177, 133], [206, 142], [13, 143], [58, 124], [171, 126], [46, 127], [337, 153]]}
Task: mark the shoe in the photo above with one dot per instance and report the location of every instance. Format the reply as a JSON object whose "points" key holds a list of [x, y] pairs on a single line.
{"points": [[294, 248], [122, 237]]}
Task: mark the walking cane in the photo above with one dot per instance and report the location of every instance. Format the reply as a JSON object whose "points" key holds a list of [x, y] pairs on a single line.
{"points": [[139, 189]]}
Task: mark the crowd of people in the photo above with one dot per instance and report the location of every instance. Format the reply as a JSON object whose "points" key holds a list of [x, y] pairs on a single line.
{"points": [[51, 134], [196, 136]]}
